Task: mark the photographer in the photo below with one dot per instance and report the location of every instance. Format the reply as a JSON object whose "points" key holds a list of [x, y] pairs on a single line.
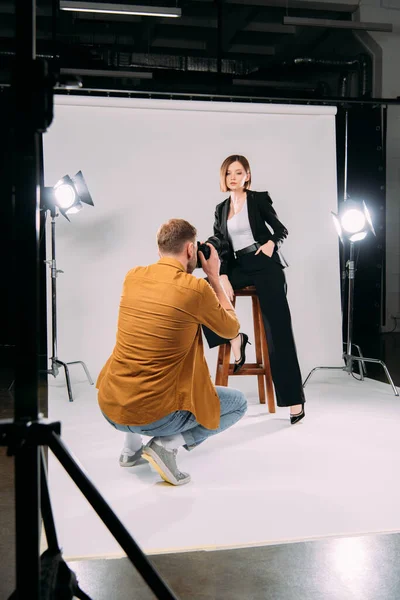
{"points": [[156, 382]]}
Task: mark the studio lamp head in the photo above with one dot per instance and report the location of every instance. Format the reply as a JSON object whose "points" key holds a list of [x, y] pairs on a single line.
{"points": [[353, 221], [68, 195]]}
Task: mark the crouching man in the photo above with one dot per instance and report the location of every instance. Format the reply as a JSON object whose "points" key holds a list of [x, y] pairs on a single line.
{"points": [[156, 382]]}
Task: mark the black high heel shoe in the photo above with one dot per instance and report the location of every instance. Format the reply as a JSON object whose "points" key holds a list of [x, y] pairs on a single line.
{"points": [[238, 365], [296, 418]]}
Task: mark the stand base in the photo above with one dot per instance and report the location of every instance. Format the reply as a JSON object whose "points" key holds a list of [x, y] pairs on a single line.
{"points": [[22, 440], [55, 363], [349, 358]]}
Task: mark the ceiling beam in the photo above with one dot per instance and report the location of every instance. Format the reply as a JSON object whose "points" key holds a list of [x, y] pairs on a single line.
{"points": [[179, 44], [107, 73], [337, 24], [263, 27], [345, 6], [234, 20], [251, 49]]}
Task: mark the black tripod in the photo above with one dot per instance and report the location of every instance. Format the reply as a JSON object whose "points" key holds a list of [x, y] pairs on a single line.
{"points": [[25, 436], [55, 361], [26, 442]]}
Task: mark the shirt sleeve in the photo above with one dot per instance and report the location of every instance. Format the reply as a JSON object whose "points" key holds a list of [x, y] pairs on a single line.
{"points": [[211, 314]]}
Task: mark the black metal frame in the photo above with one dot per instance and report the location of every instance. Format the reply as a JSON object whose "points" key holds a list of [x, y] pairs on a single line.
{"points": [[27, 434], [253, 99]]}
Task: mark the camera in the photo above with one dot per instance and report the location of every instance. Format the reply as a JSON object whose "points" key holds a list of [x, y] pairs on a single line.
{"points": [[218, 244]]}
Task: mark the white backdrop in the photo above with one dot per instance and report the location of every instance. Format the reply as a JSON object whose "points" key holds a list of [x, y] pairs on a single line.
{"points": [[146, 161]]}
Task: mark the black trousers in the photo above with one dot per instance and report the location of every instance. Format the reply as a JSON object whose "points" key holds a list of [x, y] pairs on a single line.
{"points": [[269, 280]]}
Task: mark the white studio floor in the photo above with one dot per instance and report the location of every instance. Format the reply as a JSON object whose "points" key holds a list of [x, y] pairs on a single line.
{"points": [[261, 482]]}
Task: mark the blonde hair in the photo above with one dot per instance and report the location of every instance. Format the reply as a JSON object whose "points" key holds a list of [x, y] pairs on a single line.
{"points": [[173, 235], [225, 166]]}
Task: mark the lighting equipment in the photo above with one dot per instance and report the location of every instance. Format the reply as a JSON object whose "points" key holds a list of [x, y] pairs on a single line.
{"points": [[31, 112], [353, 223], [66, 197], [120, 9]]}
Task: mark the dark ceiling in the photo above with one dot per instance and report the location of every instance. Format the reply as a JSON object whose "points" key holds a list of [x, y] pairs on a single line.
{"points": [[234, 47]]}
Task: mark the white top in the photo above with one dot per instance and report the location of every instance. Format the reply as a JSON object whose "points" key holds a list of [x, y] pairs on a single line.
{"points": [[239, 229]]}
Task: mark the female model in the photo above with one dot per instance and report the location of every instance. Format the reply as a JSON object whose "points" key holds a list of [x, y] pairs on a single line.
{"points": [[252, 258]]}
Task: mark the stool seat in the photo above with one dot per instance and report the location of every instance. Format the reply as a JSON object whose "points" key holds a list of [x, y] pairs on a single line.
{"points": [[250, 290], [261, 367]]}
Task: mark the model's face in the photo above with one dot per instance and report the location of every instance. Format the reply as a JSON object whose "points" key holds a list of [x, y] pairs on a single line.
{"points": [[236, 176]]}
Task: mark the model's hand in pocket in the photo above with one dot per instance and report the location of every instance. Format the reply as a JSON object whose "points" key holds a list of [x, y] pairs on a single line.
{"points": [[267, 249]]}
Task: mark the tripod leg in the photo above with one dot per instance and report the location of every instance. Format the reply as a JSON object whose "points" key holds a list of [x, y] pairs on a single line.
{"points": [[383, 365], [47, 513], [111, 521], [27, 526], [396, 393], [80, 362], [69, 577], [321, 369], [362, 363], [67, 378], [310, 375]]}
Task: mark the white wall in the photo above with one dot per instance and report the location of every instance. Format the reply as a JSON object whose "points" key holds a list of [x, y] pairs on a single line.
{"points": [[146, 161]]}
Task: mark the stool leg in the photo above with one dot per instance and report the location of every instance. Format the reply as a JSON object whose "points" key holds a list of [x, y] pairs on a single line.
{"points": [[257, 341], [267, 366], [226, 358], [219, 365], [225, 365]]}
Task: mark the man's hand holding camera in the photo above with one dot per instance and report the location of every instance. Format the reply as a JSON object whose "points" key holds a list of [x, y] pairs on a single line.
{"points": [[212, 265], [211, 269]]}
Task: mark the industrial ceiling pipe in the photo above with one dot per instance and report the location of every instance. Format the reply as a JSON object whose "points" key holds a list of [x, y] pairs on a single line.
{"points": [[362, 64]]}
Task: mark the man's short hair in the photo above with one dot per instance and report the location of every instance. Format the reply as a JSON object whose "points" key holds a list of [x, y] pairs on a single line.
{"points": [[174, 234]]}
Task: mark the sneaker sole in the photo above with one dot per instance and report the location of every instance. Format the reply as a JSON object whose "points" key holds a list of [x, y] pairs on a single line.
{"points": [[161, 468]]}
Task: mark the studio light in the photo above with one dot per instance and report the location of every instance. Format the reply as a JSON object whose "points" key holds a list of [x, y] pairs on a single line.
{"points": [[64, 195], [120, 9], [353, 221], [68, 195]]}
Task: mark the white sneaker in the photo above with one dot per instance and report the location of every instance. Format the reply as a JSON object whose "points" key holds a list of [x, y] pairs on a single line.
{"points": [[164, 462], [129, 458]]}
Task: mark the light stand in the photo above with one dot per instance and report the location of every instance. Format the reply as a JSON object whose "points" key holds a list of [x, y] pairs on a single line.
{"points": [[348, 356], [55, 361], [354, 234], [24, 437]]}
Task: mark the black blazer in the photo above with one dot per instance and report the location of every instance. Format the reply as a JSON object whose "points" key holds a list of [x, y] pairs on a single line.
{"points": [[259, 206]]}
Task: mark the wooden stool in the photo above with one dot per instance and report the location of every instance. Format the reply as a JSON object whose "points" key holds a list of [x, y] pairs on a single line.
{"points": [[262, 367]]}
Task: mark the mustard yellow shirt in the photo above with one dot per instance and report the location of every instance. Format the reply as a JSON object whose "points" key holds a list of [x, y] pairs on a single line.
{"points": [[158, 364]]}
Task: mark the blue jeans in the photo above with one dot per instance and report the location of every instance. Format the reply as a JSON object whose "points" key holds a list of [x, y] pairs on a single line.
{"points": [[233, 405]]}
